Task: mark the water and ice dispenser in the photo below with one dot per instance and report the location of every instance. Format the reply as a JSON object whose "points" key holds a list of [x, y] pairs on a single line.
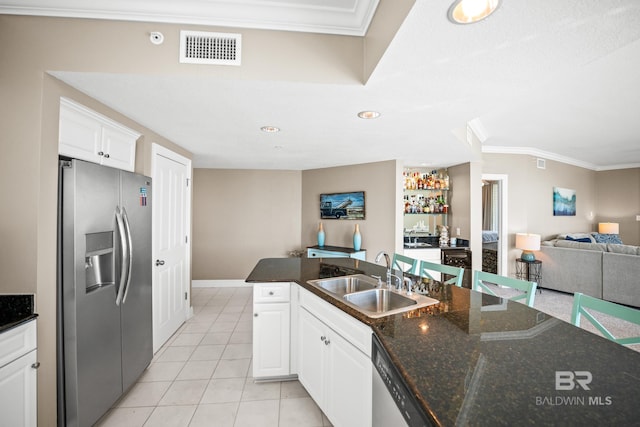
{"points": [[99, 266]]}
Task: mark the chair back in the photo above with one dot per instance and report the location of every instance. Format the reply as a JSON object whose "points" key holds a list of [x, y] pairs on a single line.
{"points": [[427, 268], [582, 302], [481, 278], [405, 264]]}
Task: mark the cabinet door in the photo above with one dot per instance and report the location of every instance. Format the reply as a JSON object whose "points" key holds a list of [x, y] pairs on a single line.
{"points": [[311, 355], [349, 386], [119, 148], [80, 136], [271, 340], [18, 392]]}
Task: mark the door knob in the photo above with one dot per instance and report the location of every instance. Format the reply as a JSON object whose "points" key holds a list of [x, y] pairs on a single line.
{"points": [[159, 262]]}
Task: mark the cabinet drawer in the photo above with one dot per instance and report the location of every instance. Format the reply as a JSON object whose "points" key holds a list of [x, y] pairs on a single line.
{"points": [[17, 342], [271, 292]]}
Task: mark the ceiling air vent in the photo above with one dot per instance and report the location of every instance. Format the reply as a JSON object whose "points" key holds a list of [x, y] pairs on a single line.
{"points": [[541, 163], [197, 47]]}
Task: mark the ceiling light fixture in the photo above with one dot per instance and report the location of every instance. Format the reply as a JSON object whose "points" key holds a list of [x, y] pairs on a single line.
{"points": [[470, 11], [270, 129], [368, 114]]}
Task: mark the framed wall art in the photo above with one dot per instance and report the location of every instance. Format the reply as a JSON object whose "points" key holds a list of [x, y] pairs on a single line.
{"points": [[342, 205], [564, 202]]}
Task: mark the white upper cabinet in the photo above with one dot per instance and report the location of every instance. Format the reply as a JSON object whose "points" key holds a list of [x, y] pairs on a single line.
{"points": [[87, 135]]}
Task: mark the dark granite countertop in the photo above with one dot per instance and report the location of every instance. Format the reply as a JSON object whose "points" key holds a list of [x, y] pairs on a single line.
{"points": [[474, 359], [15, 310]]}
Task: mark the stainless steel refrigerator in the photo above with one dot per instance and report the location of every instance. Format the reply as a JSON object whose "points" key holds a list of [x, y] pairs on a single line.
{"points": [[104, 287]]}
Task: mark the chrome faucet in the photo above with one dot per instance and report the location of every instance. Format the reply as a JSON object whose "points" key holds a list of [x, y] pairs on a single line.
{"points": [[398, 281], [415, 239], [388, 261], [409, 283]]}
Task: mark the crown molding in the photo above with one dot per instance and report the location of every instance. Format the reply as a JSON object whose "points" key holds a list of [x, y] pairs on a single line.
{"points": [[496, 149], [326, 17]]}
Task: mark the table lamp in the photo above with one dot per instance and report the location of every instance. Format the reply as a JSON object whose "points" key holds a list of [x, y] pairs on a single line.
{"points": [[608, 228], [528, 243]]}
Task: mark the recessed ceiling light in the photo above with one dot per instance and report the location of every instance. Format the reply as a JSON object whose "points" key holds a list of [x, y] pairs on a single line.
{"points": [[270, 129], [368, 114], [470, 11]]}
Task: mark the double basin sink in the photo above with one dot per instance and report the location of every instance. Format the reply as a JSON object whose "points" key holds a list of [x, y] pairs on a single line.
{"points": [[364, 294]]}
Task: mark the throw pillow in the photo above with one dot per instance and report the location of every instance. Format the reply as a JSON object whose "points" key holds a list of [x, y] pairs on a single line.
{"points": [[607, 238], [579, 239]]}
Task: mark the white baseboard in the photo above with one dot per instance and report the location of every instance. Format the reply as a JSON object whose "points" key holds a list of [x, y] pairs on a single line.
{"points": [[230, 283]]}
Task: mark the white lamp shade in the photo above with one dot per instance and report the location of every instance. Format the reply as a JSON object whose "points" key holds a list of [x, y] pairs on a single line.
{"points": [[609, 228], [528, 242]]}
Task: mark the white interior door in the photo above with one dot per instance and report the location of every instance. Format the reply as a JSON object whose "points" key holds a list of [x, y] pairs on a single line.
{"points": [[171, 226]]}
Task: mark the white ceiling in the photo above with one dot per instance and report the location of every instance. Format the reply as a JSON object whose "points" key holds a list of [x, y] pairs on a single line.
{"points": [[556, 79]]}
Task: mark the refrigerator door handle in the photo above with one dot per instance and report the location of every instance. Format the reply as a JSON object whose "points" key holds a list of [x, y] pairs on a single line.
{"points": [[129, 241], [125, 255]]}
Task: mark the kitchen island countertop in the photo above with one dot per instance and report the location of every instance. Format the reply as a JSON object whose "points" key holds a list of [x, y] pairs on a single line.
{"points": [[475, 359]]}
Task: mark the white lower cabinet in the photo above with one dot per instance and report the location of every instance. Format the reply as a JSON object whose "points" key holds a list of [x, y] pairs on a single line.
{"points": [[271, 340], [272, 330], [18, 376], [336, 373]]}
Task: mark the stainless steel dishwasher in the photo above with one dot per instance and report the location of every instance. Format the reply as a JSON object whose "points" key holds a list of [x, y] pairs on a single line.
{"points": [[393, 403]]}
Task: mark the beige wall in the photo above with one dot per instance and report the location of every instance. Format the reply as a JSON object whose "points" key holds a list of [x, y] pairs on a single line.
{"points": [[600, 196], [388, 18], [241, 216], [465, 210], [32, 46], [618, 197], [382, 227]]}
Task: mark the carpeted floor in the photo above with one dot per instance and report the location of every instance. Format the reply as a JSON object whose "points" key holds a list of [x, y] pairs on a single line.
{"points": [[559, 304]]}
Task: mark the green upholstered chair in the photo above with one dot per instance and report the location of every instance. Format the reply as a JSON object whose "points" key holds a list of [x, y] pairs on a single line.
{"points": [[405, 264], [428, 268], [581, 302], [481, 278]]}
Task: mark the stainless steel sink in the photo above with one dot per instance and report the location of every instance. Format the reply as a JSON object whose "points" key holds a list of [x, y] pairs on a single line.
{"points": [[417, 245], [379, 300], [345, 284], [362, 293]]}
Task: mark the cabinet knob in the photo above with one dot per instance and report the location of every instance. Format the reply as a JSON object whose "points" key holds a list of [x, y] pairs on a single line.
{"points": [[271, 293], [322, 338], [159, 262], [100, 153], [255, 314], [106, 156], [327, 342], [35, 365]]}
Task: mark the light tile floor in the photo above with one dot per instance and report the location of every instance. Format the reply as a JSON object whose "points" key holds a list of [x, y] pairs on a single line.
{"points": [[202, 376]]}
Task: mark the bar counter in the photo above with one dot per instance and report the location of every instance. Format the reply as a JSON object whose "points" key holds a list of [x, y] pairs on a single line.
{"points": [[475, 359]]}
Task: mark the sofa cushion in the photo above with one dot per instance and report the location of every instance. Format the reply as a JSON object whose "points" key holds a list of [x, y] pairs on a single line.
{"points": [[623, 249], [620, 273], [581, 245], [607, 238], [569, 270]]}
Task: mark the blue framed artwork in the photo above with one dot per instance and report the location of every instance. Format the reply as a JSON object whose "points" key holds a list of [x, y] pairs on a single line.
{"points": [[342, 205], [564, 202]]}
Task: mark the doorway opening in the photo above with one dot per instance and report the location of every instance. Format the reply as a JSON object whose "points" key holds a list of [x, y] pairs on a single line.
{"points": [[494, 224]]}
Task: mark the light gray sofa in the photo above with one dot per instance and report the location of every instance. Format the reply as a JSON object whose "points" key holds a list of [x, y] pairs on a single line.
{"points": [[602, 270]]}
